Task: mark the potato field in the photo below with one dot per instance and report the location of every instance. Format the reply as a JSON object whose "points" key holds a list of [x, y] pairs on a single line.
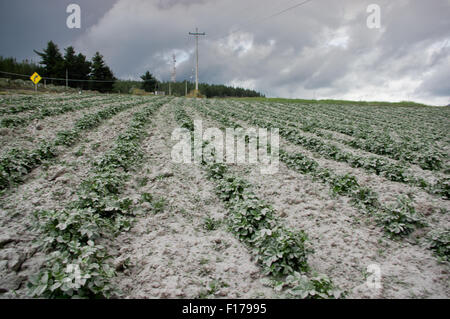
{"points": [[93, 206]]}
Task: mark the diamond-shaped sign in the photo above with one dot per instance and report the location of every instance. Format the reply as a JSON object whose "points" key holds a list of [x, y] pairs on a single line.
{"points": [[35, 78]]}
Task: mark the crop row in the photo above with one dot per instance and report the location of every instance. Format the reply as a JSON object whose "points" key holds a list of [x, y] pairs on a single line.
{"points": [[17, 163], [423, 117], [394, 172], [348, 122], [348, 115], [346, 184], [422, 151], [36, 103], [429, 115], [425, 154], [77, 266], [281, 253], [373, 164], [354, 123], [17, 121], [14, 99], [397, 220]]}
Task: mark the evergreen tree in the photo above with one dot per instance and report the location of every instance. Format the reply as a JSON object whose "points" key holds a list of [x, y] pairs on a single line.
{"points": [[70, 65], [101, 72], [53, 61], [25, 67], [150, 83], [82, 71]]}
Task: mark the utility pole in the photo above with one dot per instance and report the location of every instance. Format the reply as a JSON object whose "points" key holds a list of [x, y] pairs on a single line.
{"points": [[67, 76], [174, 69], [185, 90], [174, 73], [196, 34]]}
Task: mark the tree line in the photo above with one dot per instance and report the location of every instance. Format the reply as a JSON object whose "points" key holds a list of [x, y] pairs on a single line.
{"points": [[80, 70], [207, 90], [179, 88], [151, 84], [11, 65], [84, 74]]}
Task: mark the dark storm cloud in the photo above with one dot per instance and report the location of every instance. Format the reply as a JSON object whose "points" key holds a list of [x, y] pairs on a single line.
{"points": [[322, 49], [28, 25]]}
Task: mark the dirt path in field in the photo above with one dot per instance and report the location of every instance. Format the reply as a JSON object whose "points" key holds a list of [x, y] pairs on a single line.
{"points": [[344, 240], [46, 188], [171, 254]]}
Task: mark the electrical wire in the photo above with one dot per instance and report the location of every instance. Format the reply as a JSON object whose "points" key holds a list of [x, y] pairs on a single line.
{"points": [[251, 22], [261, 20]]}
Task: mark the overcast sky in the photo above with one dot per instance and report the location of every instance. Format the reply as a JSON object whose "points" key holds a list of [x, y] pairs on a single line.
{"points": [[322, 49]]}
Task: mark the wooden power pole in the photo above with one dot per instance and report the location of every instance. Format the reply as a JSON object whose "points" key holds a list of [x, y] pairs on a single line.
{"points": [[196, 34]]}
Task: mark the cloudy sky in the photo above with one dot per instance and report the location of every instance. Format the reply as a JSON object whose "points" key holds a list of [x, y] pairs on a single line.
{"points": [[322, 49]]}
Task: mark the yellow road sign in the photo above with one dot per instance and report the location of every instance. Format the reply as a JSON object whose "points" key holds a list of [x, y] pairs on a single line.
{"points": [[35, 78]]}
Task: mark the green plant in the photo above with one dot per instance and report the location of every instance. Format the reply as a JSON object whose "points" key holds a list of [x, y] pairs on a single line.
{"points": [[212, 288], [317, 287], [80, 151], [156, 205], [142, 181], [95, 146], [81, 273], [439, 242], [400, 219], [365, 198], [67, 138], [281, 251], [343, 184], [211, 224]]}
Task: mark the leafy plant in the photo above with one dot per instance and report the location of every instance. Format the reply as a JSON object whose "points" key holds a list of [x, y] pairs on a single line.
{"points": [[82, 273], [343, 184], [439, 242], [365, 198], [61, 228], [210, 224], [400, 219], [281, 251], [319, 286], [156, 205]]}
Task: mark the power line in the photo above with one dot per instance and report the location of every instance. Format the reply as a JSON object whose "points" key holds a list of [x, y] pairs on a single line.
{"points": [[261, 20], [251, 22], [255, 17]]}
